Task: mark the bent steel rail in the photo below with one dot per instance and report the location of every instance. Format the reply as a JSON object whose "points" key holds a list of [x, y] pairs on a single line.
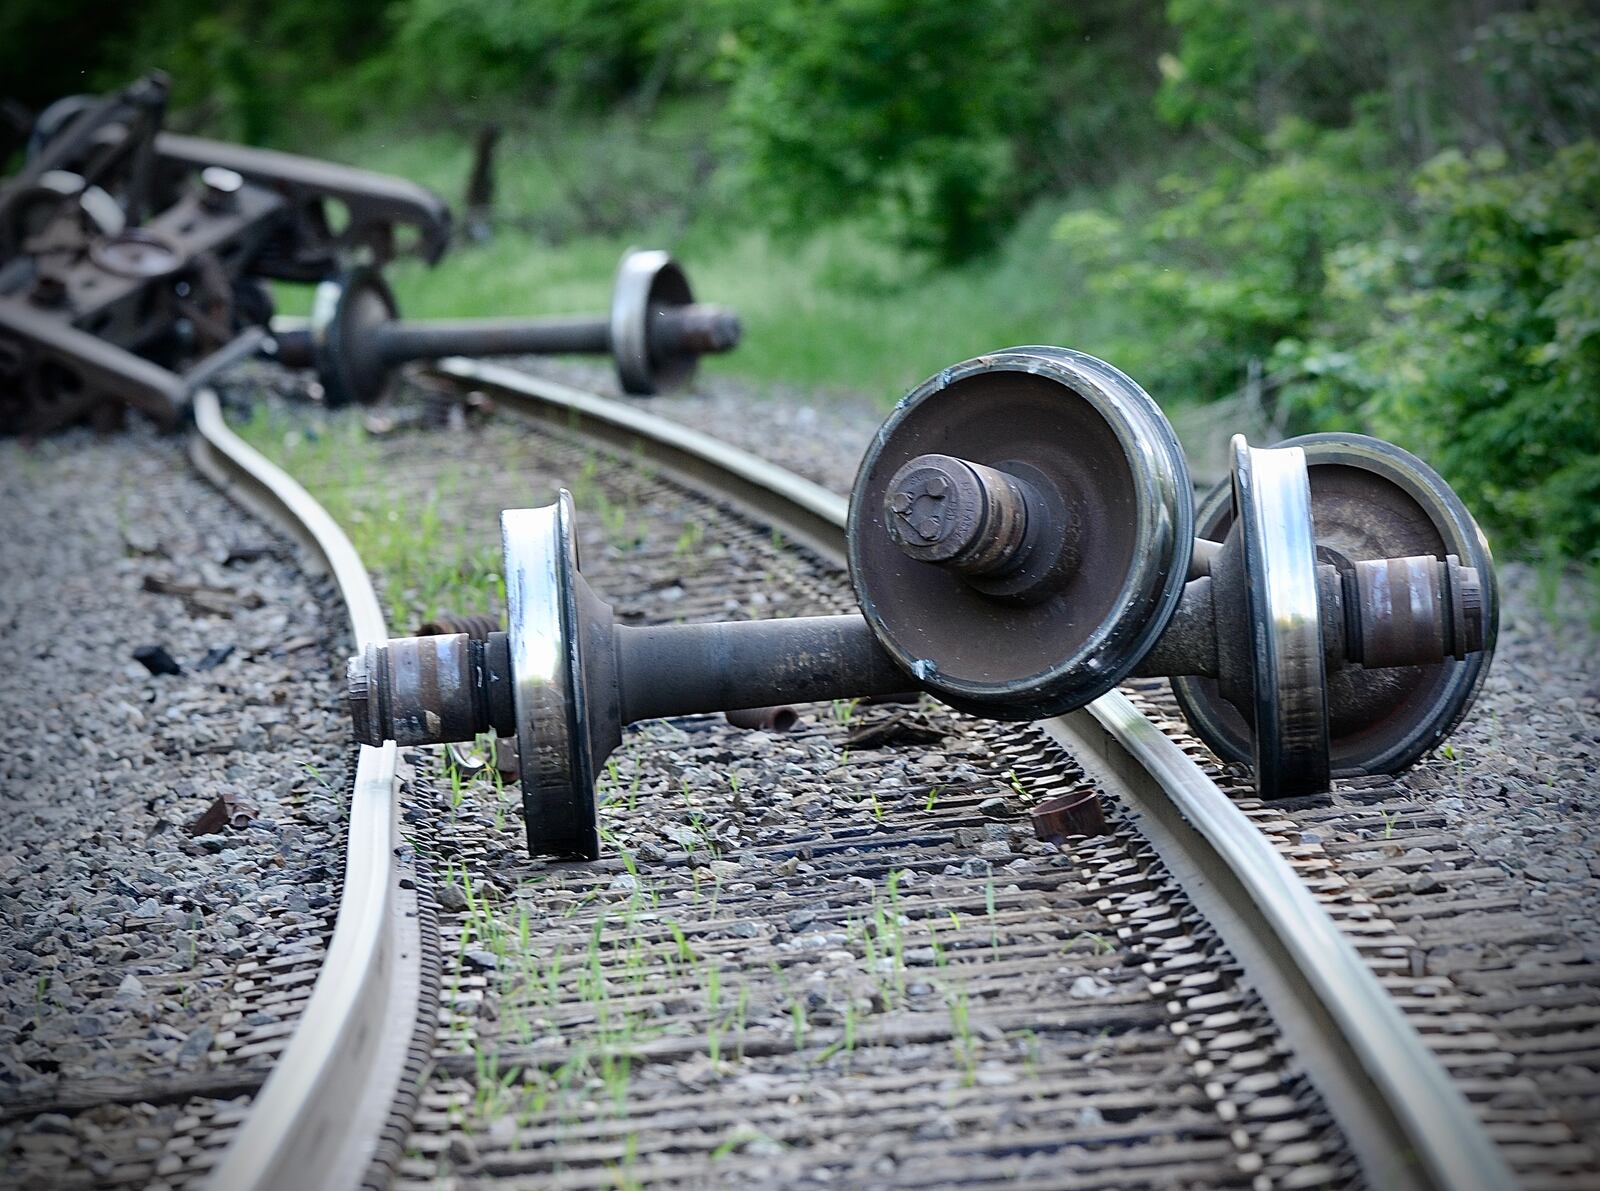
{"points": [[1406, 1121], [804, 511], [317, 1119]]}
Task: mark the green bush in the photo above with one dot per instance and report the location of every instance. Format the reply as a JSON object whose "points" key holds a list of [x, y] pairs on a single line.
{"points": [[1476, 342], [895, 107], [559, 54], [1233, 263]]}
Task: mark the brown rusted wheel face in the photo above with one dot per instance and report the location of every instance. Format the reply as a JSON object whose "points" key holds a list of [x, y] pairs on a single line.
{"points": [[1066, 422], [344, 314], [1369, 500]]}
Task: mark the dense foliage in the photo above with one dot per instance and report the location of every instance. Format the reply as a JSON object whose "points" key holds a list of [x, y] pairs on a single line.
{"points": [[1451, 303], [1389, 211]]}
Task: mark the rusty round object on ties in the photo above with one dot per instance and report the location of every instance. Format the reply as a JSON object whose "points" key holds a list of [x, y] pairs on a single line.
{"points": [[781, 718], [1372, 500], [1066, 425], [1077, 812]]}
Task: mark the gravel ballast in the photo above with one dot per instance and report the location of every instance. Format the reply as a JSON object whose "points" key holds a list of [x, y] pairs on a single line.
{"points": [[135, 1016]]}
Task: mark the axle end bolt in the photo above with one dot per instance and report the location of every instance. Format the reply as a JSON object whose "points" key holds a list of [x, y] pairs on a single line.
{"points": [[954, 513], [364, 683]]}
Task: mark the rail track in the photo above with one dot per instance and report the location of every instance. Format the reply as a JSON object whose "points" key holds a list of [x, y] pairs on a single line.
{"points": [[783, 975]]}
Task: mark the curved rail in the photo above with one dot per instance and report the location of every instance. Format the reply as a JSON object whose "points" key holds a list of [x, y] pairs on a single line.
{"points": [[806, 512], [1406, 1121], [317, 1119]]}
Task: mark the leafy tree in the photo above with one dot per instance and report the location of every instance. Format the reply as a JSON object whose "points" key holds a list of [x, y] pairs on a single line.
{"points": [[564, 54], [1476, 342], [1234, 261], [909, 109]]}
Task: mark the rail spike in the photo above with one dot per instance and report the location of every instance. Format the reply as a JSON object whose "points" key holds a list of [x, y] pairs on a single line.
{"points": [[1021, 539]]}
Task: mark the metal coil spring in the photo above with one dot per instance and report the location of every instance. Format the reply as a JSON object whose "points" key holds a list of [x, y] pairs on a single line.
{"points": [[478, 626]]}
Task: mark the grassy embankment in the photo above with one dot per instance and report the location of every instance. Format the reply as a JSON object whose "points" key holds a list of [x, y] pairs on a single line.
{"points": [[834, 309]]}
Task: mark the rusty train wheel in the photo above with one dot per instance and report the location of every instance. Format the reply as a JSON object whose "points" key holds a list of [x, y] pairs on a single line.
{"points": [[1369, 499], [1069, 423]]}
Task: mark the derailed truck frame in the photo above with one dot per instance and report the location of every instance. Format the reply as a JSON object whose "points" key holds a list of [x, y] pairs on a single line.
{"points": [[132, 260]]}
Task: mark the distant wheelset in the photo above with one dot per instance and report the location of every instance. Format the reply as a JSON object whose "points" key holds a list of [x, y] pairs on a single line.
{"points": [[655, 332], [1021, 538]]}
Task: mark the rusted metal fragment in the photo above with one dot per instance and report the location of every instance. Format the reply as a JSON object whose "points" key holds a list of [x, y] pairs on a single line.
{"points": [[226, 810], [1077, 812], [764, 719]]}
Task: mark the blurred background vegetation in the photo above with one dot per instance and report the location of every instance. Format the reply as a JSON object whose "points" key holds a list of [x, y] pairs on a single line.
{"points": [[1380, 217]]}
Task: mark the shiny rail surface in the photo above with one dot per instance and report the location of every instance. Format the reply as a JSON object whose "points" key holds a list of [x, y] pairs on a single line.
{"points": [[317, 1120], [1406, 1121]]}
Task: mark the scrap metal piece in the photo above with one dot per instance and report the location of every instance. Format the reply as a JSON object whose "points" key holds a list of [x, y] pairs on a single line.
{"points": [[226, 810], [781, 718], [1077, 812], [156, 660]]}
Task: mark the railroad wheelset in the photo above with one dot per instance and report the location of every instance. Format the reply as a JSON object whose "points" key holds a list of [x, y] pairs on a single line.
{"points": [[655, 332], [1021, 538], [1402, 608]]}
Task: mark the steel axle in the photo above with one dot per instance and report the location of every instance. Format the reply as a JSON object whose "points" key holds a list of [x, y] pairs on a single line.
{"points": [[448, 689], [565, 678], [655, 332]]}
